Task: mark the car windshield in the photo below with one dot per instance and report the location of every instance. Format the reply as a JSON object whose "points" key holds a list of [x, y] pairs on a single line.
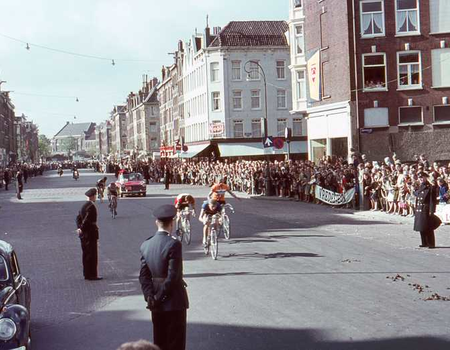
{"points": [[133, 177], [3, 270]]}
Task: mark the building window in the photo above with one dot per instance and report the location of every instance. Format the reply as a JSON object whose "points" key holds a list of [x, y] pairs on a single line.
{"points": [[216, 101], [281, 127], [297, 127], [409, 70], [372, 18], [297, 3], [254, 74], [439, 15], [410, 115], [237, 100], [256, 99], [281, 70], [153, 127], [299, 40], [440, 61], [215, 72], [301, 85], [442, 114], [236, 70], [256, 128], [281, 99], [407, 18], [376, 117], [238, 128], [374, 71]]}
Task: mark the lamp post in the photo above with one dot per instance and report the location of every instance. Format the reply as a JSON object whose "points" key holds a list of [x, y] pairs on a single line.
{"points": [[265, 134]]}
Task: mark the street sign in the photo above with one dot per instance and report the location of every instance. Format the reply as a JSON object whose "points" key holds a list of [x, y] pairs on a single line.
{"points": [[268, 142], [278, 143]]}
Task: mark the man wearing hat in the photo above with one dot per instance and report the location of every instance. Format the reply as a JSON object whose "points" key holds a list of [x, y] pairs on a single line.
{"points": [[88, 233], [161, 279], [426, 206]]}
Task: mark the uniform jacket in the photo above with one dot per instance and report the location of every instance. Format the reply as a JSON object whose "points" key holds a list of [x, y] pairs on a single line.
{"points": [[161, 274], [87, 221], [425, 207]]}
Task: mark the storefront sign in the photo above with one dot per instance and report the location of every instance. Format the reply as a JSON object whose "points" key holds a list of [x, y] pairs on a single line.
{"points": [[314, 82], [334, 198], [216, 129]]}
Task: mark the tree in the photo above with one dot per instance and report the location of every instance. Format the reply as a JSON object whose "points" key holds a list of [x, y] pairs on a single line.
{"points": [[69, 144], [44, 146]]}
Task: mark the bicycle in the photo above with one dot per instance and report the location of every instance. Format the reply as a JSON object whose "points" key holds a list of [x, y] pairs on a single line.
{"points": [[113, 206], [225, 227], [185, 225], [212, 241]]}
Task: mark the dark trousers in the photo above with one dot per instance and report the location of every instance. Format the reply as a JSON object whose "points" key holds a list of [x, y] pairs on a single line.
{"points": [[90, 258], [6, 185], [428, 239], [169, 329]]}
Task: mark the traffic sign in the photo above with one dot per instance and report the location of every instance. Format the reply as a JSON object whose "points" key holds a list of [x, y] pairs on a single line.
{"points": [[278, 143], [268, 142]]}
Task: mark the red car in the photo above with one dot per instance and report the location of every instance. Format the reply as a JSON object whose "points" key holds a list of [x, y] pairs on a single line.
{"points": [[131, 184]]}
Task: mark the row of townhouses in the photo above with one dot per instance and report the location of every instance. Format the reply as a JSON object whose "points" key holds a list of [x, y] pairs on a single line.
{"points": [[19, 140], [342, 76]]}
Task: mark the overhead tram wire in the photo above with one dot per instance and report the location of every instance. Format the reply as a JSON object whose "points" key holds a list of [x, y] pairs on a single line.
{"points": [[113, 61]]}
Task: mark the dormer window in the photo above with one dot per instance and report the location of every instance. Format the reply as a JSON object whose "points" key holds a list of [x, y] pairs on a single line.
{"points": [[298, 3]]}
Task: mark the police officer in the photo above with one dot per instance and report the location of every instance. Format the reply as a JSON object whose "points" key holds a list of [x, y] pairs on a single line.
{"points": [[88, 233], [426, 206], [161, 279]]}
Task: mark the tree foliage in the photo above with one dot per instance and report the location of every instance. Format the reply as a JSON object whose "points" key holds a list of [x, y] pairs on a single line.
{"points": [[45, 148], [69, 144]]}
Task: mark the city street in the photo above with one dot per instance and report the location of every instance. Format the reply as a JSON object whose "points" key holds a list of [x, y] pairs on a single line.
{"points": [[292, 276]]}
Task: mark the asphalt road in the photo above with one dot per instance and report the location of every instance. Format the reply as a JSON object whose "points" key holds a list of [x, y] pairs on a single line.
{"points": [[293, 275]]}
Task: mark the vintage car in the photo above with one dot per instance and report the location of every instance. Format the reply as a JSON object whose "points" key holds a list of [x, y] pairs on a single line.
{"points": [[131, 184], [15, 301]]}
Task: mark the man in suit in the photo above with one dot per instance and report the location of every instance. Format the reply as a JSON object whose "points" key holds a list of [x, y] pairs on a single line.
{"points": [[88, 233], [426, 206], [161, 279]]}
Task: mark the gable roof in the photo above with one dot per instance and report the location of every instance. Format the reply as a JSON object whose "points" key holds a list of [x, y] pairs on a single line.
{"points": [[252, 33], [71, 129]]}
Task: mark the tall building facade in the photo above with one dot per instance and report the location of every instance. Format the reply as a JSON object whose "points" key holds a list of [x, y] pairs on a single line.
{"points": [[7, 133], [26, 140], [118, 130]]}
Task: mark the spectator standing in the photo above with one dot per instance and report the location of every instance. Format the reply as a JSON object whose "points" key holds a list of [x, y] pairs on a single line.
{"points": [[7, 178], [19, 184]]}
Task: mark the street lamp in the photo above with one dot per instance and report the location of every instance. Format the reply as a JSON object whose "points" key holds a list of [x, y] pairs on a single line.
{"points": [[265, 134]]}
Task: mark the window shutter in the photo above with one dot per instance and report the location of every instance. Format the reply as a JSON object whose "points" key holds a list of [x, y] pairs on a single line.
{"points": [[439, 15], [441, 67]]}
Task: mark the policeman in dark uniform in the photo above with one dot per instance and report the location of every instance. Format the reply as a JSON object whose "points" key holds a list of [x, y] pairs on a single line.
{"points": [[88, 233], [426, 206], [161, 278]]}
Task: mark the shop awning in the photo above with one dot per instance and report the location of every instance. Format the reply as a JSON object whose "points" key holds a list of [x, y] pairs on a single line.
{"points": [[257, 149], [193, 151]]}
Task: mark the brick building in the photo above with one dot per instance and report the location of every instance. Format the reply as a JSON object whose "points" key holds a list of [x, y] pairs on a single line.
{"points": [[7, 136], [384, 78]]}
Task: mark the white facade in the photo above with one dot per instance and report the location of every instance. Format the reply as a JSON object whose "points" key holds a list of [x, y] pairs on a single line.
{"points": [[118, 130]]}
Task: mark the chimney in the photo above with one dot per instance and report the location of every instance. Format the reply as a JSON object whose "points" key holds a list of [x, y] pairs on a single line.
{"points": [[217, 30], [208, 36]]}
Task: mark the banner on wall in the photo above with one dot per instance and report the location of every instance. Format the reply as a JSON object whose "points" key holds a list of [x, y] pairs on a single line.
{"points": [[334, 198], [314, 80]]}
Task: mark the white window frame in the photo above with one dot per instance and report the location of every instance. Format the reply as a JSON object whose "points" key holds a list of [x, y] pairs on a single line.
{"points": [[233, 69], [409, 86], [438, 69], [296, 5], [297, 38], [279, 95], [254, 122], [253, 97], [255, 72], [435, 122], [303, 85], [238, 122], [215, 70], [280, 133], [281, 70], [215, 96], [385, 88], [414, 123], [235, 98], [417, 32], [383, 33], [300, 122]]}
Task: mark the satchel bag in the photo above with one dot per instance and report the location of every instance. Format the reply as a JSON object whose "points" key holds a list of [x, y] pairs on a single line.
{"points": [[435, 222]]}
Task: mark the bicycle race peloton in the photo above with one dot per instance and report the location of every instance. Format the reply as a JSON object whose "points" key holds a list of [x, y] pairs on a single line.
{"points": [[185, 205]]}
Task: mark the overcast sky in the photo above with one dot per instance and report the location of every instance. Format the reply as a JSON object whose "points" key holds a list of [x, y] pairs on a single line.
{"points": [[120, 29]]}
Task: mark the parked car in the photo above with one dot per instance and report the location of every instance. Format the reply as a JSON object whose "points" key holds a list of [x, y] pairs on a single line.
{"points": [[15, 302], [131, 184]]}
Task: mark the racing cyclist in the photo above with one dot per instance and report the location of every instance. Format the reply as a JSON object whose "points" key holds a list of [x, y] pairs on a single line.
{"points": [[101, 188], [219, 190], [112, 191], [183, 200], [209, 208]]}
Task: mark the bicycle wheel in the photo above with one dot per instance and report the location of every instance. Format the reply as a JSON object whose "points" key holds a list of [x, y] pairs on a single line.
{"points": [[214, 244], [226, 226], [187, 231]]}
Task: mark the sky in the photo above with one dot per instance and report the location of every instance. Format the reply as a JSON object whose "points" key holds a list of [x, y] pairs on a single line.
{"points": [[141, 31]]}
